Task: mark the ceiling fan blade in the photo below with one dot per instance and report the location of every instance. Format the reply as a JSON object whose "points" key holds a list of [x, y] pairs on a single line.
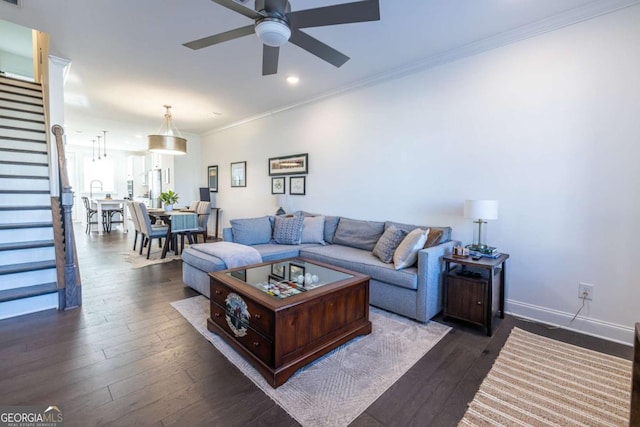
{"points": [[317, 48], [360, 11], [270, 60], [236, 7], [219, 38]]}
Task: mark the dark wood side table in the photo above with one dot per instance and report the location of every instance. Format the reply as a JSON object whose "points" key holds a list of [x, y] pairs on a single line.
{"points": [[216, 218], [474, 290]]}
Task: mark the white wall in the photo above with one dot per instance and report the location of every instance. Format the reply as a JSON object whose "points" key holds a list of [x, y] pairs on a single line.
{"points": [[548, 126], [189, 175]]}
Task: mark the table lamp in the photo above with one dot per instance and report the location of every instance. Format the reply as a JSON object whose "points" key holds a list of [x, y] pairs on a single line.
{"points": [[480, 210]]}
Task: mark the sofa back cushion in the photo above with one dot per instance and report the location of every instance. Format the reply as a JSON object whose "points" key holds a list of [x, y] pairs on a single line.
{"points": [[288, 229], [330, 226], [358, 234], [252, 231], [446, 231]]}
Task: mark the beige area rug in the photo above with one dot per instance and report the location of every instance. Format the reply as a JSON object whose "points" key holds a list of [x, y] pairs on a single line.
{"points": [[537, 381], [137, 261], [335, 389]]}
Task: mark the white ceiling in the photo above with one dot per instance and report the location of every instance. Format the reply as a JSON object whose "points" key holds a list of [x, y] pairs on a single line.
{"points": [[128, 59]]}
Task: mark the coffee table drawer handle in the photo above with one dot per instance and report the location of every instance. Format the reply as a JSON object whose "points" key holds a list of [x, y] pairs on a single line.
{"points": [[256, 344], [218, 291], [258, 316], [216, 314]]}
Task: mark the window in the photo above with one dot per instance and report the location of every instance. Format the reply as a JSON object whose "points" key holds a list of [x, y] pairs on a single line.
{"points": [[101, 170]]}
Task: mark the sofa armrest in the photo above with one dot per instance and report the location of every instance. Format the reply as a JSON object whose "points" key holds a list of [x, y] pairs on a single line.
{"points": [[430, 268], [227, 234]]}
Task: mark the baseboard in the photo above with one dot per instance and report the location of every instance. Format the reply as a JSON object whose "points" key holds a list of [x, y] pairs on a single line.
{"points": [[584, 325]]}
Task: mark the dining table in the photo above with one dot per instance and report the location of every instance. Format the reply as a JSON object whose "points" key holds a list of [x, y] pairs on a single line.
{"points": [[102, 205], [176, 220]]}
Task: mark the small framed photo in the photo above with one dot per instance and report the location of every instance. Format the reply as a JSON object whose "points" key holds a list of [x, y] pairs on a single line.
{"points": [[278, 270], [289, 165], [239, 174], [279, 185], [295, 270], [239, 274], [297, 185], [212, 173]]}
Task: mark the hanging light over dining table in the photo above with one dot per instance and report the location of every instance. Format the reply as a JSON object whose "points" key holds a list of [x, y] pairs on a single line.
{"points": [[168, 140]]}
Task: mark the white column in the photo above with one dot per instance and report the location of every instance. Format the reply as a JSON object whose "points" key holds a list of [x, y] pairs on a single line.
{"points": [[58, 68]]}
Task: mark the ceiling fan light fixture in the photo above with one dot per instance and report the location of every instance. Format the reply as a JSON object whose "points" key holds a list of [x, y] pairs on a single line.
{"points": [[273, 32], [168, 140]]}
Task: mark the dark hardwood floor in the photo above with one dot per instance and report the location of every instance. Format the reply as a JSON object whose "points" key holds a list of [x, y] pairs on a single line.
{"points": [[126, 357]]}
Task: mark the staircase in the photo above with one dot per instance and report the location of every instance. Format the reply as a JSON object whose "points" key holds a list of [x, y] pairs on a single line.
{"points": [[28, 280]]}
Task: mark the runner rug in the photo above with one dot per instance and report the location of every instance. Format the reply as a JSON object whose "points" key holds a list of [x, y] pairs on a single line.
{"points": [[335, 389], [537, 381]]}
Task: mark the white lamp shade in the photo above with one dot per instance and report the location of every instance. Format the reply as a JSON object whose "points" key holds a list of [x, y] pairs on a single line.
{"points": [[273, 33], [481, 209]]}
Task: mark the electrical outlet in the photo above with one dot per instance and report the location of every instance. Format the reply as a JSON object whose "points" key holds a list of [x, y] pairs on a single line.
{"points": [[585, 291]]}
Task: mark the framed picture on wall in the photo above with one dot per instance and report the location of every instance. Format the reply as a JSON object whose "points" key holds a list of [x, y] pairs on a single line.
{"points": [[289, 165], [239, 174], [279, 185], [212, 174], [297, 185]]}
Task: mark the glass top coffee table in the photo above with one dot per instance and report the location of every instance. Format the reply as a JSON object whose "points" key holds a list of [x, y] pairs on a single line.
{"points": [[284, 314]]}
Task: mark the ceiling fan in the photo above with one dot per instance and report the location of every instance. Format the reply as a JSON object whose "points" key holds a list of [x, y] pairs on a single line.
{"points": [[275, 24]]}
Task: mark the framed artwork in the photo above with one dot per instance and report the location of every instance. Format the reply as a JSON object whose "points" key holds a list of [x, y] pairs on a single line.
{"points": [[278, 270], [295, 270], [297, 185], [212, 173], [289, 165], [279, 185], [239, 174]]}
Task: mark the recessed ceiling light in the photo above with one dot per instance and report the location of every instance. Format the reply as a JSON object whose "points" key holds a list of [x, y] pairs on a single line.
{"points": [[293, 80]]}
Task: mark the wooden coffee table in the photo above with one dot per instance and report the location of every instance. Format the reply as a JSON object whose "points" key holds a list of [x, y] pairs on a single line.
{"points": [[281, 325]]}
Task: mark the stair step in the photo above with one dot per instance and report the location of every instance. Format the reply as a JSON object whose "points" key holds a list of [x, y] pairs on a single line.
{"points": [[21, 129], [27, 266], [25, 177], [15, 138], [21, 106], [25, 245], [25, 235], [8, 215], [16, 119], [18, 113], [19, 83], [28, 291], [21, 150], [22, 191], [40, 171], [18, 184], [23, 93], [10, 162], [26, 225], [25, 208], [19, 99]]}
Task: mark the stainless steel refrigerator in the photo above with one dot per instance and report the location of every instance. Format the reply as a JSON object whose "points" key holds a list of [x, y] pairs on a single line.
{"points": [[155, 187]]}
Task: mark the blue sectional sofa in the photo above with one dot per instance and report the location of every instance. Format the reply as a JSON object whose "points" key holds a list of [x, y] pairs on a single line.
{"points": [[414, 292]]}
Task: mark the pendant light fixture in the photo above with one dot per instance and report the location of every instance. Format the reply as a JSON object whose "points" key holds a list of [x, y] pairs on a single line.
{"points": [[104, 132], [93, 150], [168, 140], [99, 146]]}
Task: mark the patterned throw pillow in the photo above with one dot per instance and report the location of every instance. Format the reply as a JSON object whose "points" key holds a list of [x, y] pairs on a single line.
{"points": [[407, 253], [288, 229], [388, 243]]}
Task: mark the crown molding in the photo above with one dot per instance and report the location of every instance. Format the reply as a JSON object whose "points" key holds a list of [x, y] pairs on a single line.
{"points": [[570, 17]]}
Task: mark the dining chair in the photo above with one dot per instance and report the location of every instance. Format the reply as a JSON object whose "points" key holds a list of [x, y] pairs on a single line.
{"points": [[150, 232], [136, 224], [110, 213], [90, 213], [194, 205]]}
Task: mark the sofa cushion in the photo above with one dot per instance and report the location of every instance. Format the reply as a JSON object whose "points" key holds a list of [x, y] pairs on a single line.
{"points": [[407, 253], [446, 231], [274, 251], [202, 260], [363, 262], [288, 229], [388, 243], [330, 225], [358, 234], [252, 231], [313, 229]]}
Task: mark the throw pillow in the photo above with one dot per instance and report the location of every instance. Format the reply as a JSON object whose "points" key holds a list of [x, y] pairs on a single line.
{"points": [[313, 229], [288, 229], [434, 237], [252, 231], [330, 226], [387, 244], [358, 234], [407, 253]]}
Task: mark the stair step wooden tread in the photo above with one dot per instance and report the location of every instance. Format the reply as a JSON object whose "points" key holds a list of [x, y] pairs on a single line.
{"points": [[28, 291], [27, 266], [25, 208], [26, 245], [23, 225]]}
